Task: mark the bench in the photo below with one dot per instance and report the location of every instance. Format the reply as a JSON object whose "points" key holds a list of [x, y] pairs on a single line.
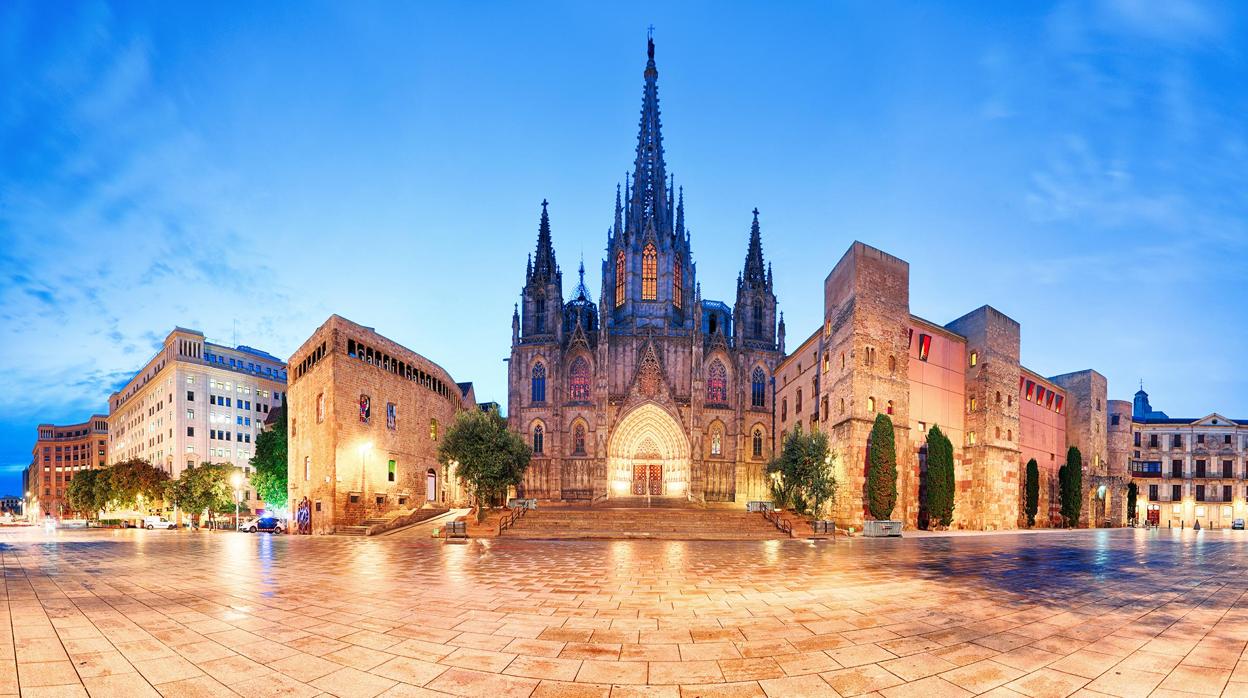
{"points": [[456, 529]]}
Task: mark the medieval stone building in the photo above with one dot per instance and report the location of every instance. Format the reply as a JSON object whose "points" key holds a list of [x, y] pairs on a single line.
{"points": [[653, 390]]}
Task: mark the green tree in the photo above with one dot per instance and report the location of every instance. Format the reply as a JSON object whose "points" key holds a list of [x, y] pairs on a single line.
{"points": [[882, 469], [204, 488], [1132, 493], [803, 474], [269, 464], [1032, 486], [1070, 482], [941, 480], [85, 495], [134, 484], [490, 456]]}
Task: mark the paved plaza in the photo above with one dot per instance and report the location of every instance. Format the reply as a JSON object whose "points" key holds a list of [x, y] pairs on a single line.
{"points": [[177, 613]]}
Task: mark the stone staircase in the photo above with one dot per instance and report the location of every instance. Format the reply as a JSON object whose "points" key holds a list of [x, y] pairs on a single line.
{"points": [[659, 523], [362, 528]]}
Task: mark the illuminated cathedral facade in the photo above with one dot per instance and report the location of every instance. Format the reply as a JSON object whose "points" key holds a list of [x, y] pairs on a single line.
{"points": [[651, 391]]}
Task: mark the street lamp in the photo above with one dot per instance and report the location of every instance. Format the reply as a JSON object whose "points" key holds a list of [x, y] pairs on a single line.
{"points": [[237, 481], [24, 502]]}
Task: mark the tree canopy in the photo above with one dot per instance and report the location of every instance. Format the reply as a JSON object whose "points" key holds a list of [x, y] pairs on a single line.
{"points": [[882, 469], [941, 479], [1070, 480], [803, 474], [205, 487], [270, 462], [490, 457], [133, 484], [88, 492], [1032, 486]]}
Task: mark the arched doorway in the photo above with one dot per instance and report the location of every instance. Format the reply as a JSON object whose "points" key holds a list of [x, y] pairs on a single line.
{"points": [[648, 454], [431, 485]]}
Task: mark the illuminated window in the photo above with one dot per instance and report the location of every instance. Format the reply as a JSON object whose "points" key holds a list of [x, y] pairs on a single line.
{"points": [[717, 440], [649, 273], [433, 430], [537, 391], [970, 438], [974, 358], [827, 363], [870, 404], [307, 468], [391, 471], [973, 404], [677, 290], [578, 379], [619, 278], [758, 443], [717, 384]]}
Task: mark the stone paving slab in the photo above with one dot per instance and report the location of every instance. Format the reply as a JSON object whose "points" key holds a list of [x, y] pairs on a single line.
{"points": [[177, 613]]}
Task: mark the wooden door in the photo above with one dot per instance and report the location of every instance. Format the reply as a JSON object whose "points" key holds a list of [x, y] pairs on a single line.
{"points": [[639, 478], [656, 480]]}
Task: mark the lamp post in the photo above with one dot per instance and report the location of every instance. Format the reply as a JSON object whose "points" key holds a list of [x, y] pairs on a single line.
{"points": [[237, 481]]}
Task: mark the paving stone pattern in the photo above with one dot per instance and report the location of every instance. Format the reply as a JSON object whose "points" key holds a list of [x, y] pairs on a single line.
{"points": [[174, 613]]}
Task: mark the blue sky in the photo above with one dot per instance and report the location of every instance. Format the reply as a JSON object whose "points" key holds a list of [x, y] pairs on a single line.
{"points": [[1081, 166]]}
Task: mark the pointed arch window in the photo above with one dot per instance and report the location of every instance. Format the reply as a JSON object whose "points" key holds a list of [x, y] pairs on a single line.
{"points": [[758, 322], [578, 439], [649, 273], [717, 440], [578, 379], [537, 392], [539, 314], [620, 277], [539, 438], [717, 383], [757, 449], [677, 290], [758, 388]]}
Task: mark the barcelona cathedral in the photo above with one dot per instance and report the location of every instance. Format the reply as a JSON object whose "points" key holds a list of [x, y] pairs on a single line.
{"points": [[653, 390]]}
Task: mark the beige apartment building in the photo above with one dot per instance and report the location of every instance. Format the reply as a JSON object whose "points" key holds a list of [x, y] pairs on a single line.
{"points": [[59, 453], [1187, 469], [196, 401]]}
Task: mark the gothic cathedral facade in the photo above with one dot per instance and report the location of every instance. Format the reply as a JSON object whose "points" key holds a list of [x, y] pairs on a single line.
{"points": [[653, 391]]}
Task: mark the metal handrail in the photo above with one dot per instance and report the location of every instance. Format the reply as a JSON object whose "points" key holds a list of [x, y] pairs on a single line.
{"points": [[508, 520], [779, 521]]}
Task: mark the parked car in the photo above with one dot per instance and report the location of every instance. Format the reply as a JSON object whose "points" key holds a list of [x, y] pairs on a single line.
{"points": [[151, 522], [1237, 525], [270, 524]]}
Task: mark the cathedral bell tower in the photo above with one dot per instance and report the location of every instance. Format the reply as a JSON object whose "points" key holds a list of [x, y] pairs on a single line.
{"points": [[541, 304], [648, 275]]}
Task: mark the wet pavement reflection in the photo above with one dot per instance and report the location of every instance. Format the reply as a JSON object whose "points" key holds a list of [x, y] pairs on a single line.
{"points": [[1113, 612]]}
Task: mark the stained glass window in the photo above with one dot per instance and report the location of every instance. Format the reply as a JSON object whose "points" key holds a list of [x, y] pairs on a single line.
{"points": [[758, 388], [717, 383], [578, 379], [677, 290], [649, 273], [717, 440], [620, 277], [538, 391], [578, 439]]}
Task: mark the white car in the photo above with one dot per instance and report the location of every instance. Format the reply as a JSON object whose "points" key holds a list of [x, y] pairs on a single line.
{"points": [[151, 522]]}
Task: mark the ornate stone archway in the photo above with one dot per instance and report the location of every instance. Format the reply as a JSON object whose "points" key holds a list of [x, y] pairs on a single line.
{"points": [[650, 435]]}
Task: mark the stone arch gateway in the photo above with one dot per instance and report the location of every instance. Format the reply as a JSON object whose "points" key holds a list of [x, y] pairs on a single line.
{"points": [[648, 453]]}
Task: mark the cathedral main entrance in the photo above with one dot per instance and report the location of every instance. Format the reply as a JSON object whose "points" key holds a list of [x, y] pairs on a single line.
{"points": [[648, 479], [648, 455]]}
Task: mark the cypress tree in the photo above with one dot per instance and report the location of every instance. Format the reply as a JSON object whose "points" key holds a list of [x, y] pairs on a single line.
{"points": [[1072, 486], [1132, 493], [940, 477], [1033, 491], [882, 469]]}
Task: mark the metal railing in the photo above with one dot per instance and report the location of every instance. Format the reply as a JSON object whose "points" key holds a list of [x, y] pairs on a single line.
{"points": [[779, 521], [508, 520]]}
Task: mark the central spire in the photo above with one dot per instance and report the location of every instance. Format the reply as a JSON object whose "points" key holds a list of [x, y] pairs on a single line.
{"points": [[649, 201]]}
